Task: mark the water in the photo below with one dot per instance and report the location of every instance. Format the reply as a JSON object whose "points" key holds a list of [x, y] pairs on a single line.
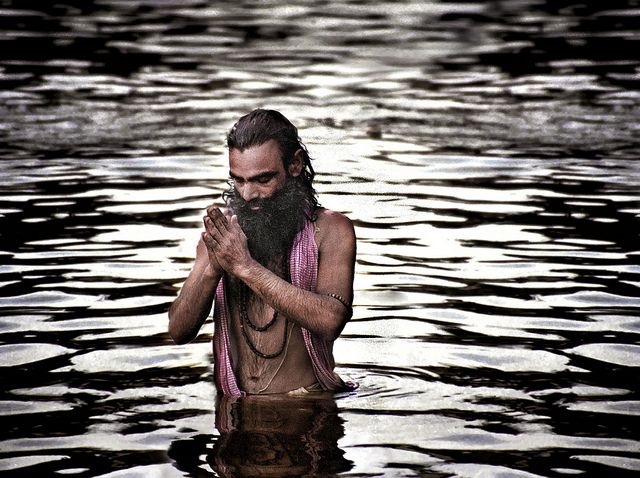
{"points": [[487, 153]]}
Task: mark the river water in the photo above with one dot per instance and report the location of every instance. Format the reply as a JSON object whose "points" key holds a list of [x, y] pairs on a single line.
{"points": [[487, 153]]}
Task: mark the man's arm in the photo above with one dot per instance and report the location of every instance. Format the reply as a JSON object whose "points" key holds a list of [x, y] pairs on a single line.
{"points": [[316, 311], [191, 308]]}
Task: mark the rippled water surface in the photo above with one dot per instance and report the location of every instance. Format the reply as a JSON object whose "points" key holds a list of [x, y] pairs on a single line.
{"points": [[487, 153]]}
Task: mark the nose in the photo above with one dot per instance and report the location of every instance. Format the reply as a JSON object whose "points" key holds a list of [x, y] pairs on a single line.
{"points": [[249, 191]]}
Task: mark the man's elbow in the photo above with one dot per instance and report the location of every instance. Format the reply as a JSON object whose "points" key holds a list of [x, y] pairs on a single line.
{"points": [[337, 323], [180, 338], [178, 334]]}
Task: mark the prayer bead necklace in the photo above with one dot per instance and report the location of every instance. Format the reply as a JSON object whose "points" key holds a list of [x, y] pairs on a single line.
{"points": [[244, 315], [244, 319], [263, 355]]}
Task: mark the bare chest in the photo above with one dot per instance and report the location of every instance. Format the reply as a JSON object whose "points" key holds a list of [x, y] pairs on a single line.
{"points": [[269, 351]]}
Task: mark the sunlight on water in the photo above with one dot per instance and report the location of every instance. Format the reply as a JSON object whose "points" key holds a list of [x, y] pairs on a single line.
{"points": [[487, 154]]}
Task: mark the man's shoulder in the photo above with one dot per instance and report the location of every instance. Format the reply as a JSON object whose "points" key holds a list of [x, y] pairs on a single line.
{"points": [[333, 225], [332, 218]]}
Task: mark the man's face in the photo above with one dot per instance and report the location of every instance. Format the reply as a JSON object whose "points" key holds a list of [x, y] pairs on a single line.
{"points": [[268, 200], [257, 172]]}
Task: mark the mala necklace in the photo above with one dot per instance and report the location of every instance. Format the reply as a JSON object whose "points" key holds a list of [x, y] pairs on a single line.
{"points": [[244, 319]]}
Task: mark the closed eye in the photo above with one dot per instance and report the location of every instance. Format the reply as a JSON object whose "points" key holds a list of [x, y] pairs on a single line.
{"points": [[263, 178]]}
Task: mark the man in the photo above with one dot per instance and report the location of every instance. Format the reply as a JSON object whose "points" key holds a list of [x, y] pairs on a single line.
{"points": [[277, 267]]}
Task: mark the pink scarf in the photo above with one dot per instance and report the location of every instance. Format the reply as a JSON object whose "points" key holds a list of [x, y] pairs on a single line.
{"points": [[304, 274]]}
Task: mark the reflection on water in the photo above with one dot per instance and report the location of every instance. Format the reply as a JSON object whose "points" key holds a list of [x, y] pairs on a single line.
{"points": [[268, 436], [487, 153]]}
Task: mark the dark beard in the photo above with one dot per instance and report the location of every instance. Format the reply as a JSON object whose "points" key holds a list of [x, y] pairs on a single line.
{"points": [[271, 229]]}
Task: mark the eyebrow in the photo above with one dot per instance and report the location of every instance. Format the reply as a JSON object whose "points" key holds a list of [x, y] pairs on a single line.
{"points": [[257, 177]]}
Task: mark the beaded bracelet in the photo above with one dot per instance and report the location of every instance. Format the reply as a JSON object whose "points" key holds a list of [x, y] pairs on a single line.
{"points": [[341, 300]]}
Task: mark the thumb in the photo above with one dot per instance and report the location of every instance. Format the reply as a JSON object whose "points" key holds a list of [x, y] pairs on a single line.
{"points": [[233, 222]]}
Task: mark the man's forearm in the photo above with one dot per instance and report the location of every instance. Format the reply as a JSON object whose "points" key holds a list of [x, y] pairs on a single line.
{"points": [[320, 314], [191, 308]]}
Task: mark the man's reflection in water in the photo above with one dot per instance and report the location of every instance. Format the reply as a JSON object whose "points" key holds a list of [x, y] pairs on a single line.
{"points": [[269, 435]]}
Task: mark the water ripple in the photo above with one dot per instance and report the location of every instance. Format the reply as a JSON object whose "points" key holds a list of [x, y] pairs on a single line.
{"points": [[486, 153]]}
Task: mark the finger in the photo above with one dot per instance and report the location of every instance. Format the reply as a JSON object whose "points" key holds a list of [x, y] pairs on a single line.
{"points": [[209, 241], [233, 222], [216, 229], [213, 212], [212, 208], [210, 228], [208, 224], [218, 219]]}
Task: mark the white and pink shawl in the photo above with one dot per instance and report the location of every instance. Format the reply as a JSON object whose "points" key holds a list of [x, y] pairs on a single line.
{"points": [[304, 274]]}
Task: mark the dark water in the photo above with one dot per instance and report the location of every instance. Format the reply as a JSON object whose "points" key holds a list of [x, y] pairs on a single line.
{"points": [[488, 154]]}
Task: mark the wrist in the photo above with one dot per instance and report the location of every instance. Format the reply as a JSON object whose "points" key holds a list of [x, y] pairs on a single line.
{"points": [[211, 273], [245, 270]]}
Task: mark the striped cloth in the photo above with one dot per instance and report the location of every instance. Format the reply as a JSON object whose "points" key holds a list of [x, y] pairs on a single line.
{"points": [[304, 274]]}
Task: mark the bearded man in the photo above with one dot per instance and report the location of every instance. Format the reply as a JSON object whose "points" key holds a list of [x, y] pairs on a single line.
{"points": [[276, 266]]}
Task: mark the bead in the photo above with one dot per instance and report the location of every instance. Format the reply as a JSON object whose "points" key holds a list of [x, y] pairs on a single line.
{"points": [[341, 300]]}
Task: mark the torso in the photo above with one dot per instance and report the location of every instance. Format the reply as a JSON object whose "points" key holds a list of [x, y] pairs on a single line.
{"points": [[288, 371]]}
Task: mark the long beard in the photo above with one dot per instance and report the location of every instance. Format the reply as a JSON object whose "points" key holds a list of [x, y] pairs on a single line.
{"points": [[271, 229]]}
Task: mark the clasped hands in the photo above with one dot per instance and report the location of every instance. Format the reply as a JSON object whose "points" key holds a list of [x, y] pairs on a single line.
{"points": [[225, 241]]}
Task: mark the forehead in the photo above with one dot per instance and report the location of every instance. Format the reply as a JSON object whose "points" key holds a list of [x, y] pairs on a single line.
{"points": [[256, 159]]}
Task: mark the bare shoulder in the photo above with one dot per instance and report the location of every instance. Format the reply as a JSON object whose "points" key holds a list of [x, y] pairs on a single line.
{"points": [[327, 217], [332, 227]]}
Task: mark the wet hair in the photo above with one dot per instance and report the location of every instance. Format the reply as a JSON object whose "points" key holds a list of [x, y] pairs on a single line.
{"points": [[261, 126]]}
